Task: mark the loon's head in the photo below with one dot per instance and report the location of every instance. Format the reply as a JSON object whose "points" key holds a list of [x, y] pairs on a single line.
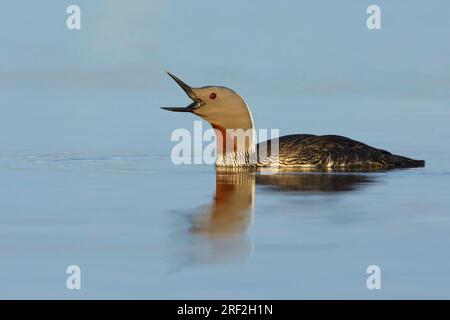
{"points": [[221, 107]]}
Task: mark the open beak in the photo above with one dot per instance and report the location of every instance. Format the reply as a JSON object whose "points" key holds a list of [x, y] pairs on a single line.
{"points": [[197, 103]]}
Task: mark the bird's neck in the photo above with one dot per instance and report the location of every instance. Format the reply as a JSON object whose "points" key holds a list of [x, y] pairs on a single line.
{"points": [[235, 133], [235, 147]]}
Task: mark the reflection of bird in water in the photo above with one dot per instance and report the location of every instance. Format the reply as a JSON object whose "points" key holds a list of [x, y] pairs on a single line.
{"points": [[231, 210], [228, 114], [217, 230], [313, 182]]}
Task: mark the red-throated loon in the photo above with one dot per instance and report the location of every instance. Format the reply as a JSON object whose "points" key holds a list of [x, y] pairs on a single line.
{"points": [[226, 111]]}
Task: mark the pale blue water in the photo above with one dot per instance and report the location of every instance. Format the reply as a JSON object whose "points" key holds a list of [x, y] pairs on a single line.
{"points": [[86, 176], [126, 218]]}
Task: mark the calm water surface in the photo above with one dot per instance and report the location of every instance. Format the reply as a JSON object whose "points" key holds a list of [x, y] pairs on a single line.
{"points": [[141, 227]]}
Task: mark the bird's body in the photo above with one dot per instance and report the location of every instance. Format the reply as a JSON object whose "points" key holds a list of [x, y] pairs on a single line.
{"points": [[232, 120], [330, 151]]}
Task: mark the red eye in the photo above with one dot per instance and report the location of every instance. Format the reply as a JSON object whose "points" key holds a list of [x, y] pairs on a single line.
{"points": [[213, 95]]}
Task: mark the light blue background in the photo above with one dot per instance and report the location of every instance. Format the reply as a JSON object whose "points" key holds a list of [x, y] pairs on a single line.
{"points": [[101, 87]]}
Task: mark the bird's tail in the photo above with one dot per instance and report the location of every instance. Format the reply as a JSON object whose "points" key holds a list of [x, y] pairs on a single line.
{"points": [[404, 162]]}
